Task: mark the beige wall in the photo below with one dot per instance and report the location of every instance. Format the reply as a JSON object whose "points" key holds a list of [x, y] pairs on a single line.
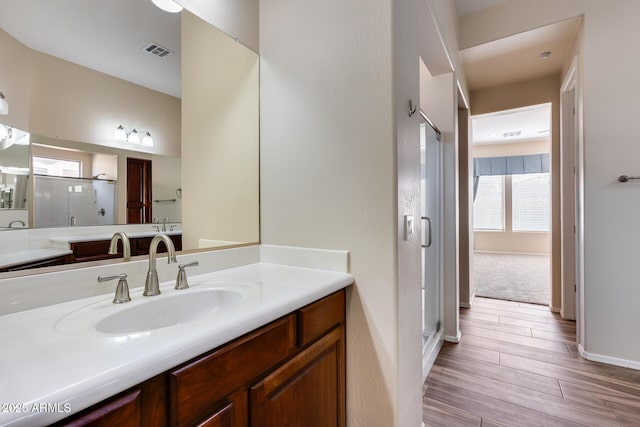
{"points": [[166, 178], [237, 18], [220, 134], [328, 170], [14, 81], [524, 94], [56, 98]]}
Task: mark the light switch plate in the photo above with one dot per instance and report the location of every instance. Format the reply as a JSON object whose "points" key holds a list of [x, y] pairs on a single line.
{"points": [[408, 226]]}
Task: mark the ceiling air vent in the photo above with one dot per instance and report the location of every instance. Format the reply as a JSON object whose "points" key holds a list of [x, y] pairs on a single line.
{"points": [[511, 134], [157, 50]]}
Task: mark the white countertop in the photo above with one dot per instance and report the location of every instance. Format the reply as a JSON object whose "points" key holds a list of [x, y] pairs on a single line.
{"points": [[41, 362], [10, 259]]}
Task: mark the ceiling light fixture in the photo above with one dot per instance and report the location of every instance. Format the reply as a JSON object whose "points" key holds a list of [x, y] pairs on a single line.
{"points": [[168, 5], [545, 55], [133, 137], [4, 105]]}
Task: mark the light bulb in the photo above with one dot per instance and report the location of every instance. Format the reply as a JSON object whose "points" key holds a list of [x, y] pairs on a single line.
{"points": [[147, 140], [133, 137], [168, 5], [120, 134], [4, 105]]}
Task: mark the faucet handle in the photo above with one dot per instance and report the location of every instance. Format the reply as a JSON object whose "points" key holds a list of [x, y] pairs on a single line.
{"points": [[122, 289], [181, 280]]}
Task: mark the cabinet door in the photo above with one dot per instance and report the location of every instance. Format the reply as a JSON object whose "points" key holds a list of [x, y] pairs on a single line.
{"points": [[123, 411], [308, 390], [233, 414], [198, 388]]}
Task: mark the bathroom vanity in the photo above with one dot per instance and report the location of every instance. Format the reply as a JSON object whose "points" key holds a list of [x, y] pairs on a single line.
{"points": [[258, 339], [289, 372]]}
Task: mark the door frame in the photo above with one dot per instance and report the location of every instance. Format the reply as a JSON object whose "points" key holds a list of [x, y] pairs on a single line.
{"points": [[572, 234]]}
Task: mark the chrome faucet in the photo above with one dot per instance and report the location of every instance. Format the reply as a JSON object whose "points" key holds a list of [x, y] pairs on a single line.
{"points": [[151, 285], [126, 246], [19, 221], [164, 224]]}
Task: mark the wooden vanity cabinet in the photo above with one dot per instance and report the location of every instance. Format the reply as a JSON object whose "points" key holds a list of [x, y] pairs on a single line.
{"points": [[289, 372], [140, 245]]}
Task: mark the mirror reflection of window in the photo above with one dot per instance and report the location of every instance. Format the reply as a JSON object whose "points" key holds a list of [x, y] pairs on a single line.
{"points": [[56, 167]]}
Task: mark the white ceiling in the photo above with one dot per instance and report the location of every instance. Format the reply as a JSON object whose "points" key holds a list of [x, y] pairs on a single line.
{"points": [[103, 35], [516, 58], [532, 123]]}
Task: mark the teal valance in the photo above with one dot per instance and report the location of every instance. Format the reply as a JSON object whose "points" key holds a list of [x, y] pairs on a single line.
{"points": [[512, 165]]}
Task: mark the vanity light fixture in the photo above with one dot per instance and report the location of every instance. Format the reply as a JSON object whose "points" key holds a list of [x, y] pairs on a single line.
{"points": [[4, 105], [133, 137], [168, 5], [122, 135]]}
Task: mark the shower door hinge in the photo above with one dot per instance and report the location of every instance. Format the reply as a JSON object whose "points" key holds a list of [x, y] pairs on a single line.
{"points": [[437, 326]]}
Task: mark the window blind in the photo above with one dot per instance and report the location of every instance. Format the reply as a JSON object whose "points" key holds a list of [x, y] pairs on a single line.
{"points": [[531, 208], [488, 207]]}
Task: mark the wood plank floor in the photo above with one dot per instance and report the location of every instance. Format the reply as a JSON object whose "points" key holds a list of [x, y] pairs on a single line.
{"points": [[517, 365]]}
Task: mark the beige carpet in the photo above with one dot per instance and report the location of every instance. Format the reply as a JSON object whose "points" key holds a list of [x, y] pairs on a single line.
{"points": [[513, 277]]}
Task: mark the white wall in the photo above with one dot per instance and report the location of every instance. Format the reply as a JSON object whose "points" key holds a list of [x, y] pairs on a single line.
{"points": [[607, 101]]}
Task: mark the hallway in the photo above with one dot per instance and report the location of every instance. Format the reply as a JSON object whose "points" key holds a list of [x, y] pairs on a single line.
{"points": [[517, 365]]}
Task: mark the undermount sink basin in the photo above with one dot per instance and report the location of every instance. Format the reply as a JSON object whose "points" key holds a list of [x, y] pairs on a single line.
{"points": [[144, 314], [177, 308]]}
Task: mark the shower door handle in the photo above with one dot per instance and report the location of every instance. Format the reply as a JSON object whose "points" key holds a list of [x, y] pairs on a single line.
{"points": [[429, 231]]}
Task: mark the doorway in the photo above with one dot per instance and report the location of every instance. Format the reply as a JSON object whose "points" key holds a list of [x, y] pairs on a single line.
{"points": [[512, 204], [431, 216], [139, 209]]}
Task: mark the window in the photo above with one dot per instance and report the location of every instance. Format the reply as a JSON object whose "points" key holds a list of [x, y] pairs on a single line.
{"points": [[488, 207], [56, 167], [531, 210]]}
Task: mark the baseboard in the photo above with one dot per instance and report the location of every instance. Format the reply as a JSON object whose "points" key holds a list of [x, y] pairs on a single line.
{"points": [[454, 339], [429, 354], [554, 309], [470, 303], [609, 360]]}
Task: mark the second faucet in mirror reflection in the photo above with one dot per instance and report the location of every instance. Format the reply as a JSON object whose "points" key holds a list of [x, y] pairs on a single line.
{"points": [[126, 245]]}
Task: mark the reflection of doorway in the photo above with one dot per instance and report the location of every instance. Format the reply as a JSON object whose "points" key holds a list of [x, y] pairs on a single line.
{"points": [[512, 204], [138, 191]]}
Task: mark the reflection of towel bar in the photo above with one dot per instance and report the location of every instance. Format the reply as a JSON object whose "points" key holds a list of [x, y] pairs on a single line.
{"points": [[165, 201]]}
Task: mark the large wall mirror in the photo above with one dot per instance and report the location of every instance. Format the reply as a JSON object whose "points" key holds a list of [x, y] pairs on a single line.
{"points": [[88, 82]]}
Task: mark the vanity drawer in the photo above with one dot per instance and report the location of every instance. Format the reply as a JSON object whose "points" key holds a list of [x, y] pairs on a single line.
{"points": [[320, 317], [197, 388]]}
